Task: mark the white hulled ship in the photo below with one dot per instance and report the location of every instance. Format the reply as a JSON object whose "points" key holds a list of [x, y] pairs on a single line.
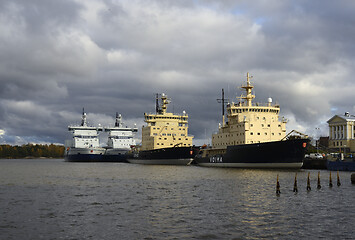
{"points": [[120, 141], [84, 145], [254, 137], [165, 138]]}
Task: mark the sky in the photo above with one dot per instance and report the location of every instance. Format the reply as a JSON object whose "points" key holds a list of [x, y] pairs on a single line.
{"points": [[108, 56]]}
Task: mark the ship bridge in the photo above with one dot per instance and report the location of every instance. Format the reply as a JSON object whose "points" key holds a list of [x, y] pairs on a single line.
{"points": [[152, 118], [236, 108]]}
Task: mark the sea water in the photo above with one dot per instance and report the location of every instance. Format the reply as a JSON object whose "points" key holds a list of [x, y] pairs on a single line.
{"points": [[54, 199]]}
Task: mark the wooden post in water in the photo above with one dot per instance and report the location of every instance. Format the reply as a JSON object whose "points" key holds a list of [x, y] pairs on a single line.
{"points": [[338, 179], [295, 184], [330, 179], [278, 186], [318, 181], [352, 178], [308, 184]]}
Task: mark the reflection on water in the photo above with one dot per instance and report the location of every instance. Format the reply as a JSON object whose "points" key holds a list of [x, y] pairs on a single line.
{"points": [[47, 199]]}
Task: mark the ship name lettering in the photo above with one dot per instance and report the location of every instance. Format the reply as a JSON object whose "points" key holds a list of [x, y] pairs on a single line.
{"points": [[216, 159]]}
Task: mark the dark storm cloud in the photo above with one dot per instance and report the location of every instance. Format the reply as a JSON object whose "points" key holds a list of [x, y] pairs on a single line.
{"points": [[57, 57], [39, 15]]}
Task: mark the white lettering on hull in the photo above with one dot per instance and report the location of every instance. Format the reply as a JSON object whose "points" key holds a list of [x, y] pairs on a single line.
{"points": [[252, 165]]}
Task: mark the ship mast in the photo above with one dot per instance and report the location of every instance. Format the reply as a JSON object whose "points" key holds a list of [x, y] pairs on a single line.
{"points": [[222, 100], [118, 122], [157, 110], [164, 102], [249, 97], [83, 119]]}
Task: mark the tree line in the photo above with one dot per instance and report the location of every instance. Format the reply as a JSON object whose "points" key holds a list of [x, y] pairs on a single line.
{"points": [[31, 151]]}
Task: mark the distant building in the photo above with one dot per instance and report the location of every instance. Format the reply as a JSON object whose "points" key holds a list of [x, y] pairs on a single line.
{"points": [[342, 133], [324, 141]]}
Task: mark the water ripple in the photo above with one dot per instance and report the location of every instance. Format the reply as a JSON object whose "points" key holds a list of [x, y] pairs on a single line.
{"points": [[52, 199]]}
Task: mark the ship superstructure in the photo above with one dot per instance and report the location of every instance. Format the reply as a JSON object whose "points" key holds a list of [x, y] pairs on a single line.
{"points": [[254, 137], [165, 129], [165, 138], [250, 122], [120, 141], [84, 144]]}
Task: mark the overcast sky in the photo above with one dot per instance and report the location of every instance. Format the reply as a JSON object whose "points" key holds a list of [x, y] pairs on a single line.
{"points": [[109, 56]]}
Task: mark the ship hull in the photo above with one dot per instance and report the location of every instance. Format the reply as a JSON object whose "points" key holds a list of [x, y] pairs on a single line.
{"points": [[340, 166], [278, 154], [116, 155], [166, 156], [84, 155]]}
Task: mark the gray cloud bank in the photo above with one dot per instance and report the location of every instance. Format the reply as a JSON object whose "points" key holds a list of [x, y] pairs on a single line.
{"points": [[59, 56]]}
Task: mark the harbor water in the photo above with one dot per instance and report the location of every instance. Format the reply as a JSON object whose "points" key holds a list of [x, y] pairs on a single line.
{"points": [[53, 199]]}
